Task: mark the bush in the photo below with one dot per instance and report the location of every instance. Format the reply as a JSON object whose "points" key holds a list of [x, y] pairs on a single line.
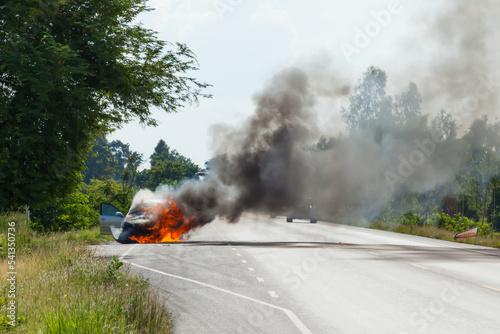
{"points": [[411, 219], [64, 214], [108, 191], [459, 224], [80, 209]]}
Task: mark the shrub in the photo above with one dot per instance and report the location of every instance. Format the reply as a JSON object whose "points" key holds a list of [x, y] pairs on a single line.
{"points": [[460, 223], [64, 214], [410, 218]]}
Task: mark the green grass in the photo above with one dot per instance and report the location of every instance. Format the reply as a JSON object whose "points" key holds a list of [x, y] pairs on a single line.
{"points": [[435, 232], [63, 288]]}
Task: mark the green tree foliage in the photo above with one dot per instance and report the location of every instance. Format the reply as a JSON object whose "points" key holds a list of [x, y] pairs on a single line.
{"points": [[163, 153], [107, 191], [168, 166], [101, 162], [445, 126], [80, 209], [407, 107], [122, 153], [473, 192], [110, 161], [71, 71], [65, 213], [369, 103]]}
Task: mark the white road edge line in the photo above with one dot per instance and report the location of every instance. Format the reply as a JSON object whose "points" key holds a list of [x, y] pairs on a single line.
{"points": [[128, 251], [296, 321]]}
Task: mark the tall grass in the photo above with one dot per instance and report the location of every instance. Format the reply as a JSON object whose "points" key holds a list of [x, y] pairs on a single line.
{"points": [[63, 288]]}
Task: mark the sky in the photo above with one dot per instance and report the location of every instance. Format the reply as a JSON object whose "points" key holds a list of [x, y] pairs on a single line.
{"points": [[241, 44]]}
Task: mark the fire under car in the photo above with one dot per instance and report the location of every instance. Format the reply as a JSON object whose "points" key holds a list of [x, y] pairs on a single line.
{"points": [[148, 221]]}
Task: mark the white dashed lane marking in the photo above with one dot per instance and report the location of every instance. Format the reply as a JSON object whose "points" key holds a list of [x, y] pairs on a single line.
{"points": [[238, 254], [260, 279], [273, 294], [490, 287], [251, 269], [417, 266], [244, 261]]}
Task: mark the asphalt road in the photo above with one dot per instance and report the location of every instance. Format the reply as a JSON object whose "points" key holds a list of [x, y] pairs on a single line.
{"points": [[264, 275]]}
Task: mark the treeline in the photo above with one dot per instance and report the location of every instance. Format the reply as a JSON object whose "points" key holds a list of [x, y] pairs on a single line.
{"points": [[111, 175], [465, 191]]}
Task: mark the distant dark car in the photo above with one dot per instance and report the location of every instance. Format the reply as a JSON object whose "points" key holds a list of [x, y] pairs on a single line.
{"points": [[305, 211]]}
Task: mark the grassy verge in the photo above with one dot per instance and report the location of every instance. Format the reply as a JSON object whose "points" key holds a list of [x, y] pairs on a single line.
{"points": [[63, 288], [434, 232]]}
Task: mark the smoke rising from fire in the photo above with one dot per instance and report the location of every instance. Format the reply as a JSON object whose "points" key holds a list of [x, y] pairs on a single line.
{"points": [[273, 163], [277, 161], [463, 44]]}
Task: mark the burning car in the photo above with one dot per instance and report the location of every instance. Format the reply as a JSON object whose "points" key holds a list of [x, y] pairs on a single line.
{"points": [[148, 221]]}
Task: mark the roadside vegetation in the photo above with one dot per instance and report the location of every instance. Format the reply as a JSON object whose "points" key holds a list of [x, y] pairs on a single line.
{"points": [[62, 287], [486, 237], [454, 185]]}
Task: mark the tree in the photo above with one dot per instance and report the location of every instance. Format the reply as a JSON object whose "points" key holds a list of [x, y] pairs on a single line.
{"points": [[134, 160], [167, 172], [163, 153], [369, 105], [444, 126], [168, 166], [407, 106], [102, 162], [72, 71], [122, 153]]}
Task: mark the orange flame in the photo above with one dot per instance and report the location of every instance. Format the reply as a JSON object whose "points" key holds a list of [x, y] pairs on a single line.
{"points": [[170, 225]]}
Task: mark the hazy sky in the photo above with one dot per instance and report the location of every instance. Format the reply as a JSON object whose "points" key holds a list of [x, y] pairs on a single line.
{"points": [[241, 43]]}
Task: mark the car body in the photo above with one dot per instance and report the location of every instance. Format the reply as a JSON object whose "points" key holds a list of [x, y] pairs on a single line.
{"points": [[138, 218]]}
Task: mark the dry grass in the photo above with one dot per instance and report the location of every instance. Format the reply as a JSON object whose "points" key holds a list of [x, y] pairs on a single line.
{"points": [[63, 288], [434, 232]]}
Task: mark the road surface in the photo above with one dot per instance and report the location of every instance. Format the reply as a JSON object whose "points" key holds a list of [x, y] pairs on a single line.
{"points": [[263, 275]]}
